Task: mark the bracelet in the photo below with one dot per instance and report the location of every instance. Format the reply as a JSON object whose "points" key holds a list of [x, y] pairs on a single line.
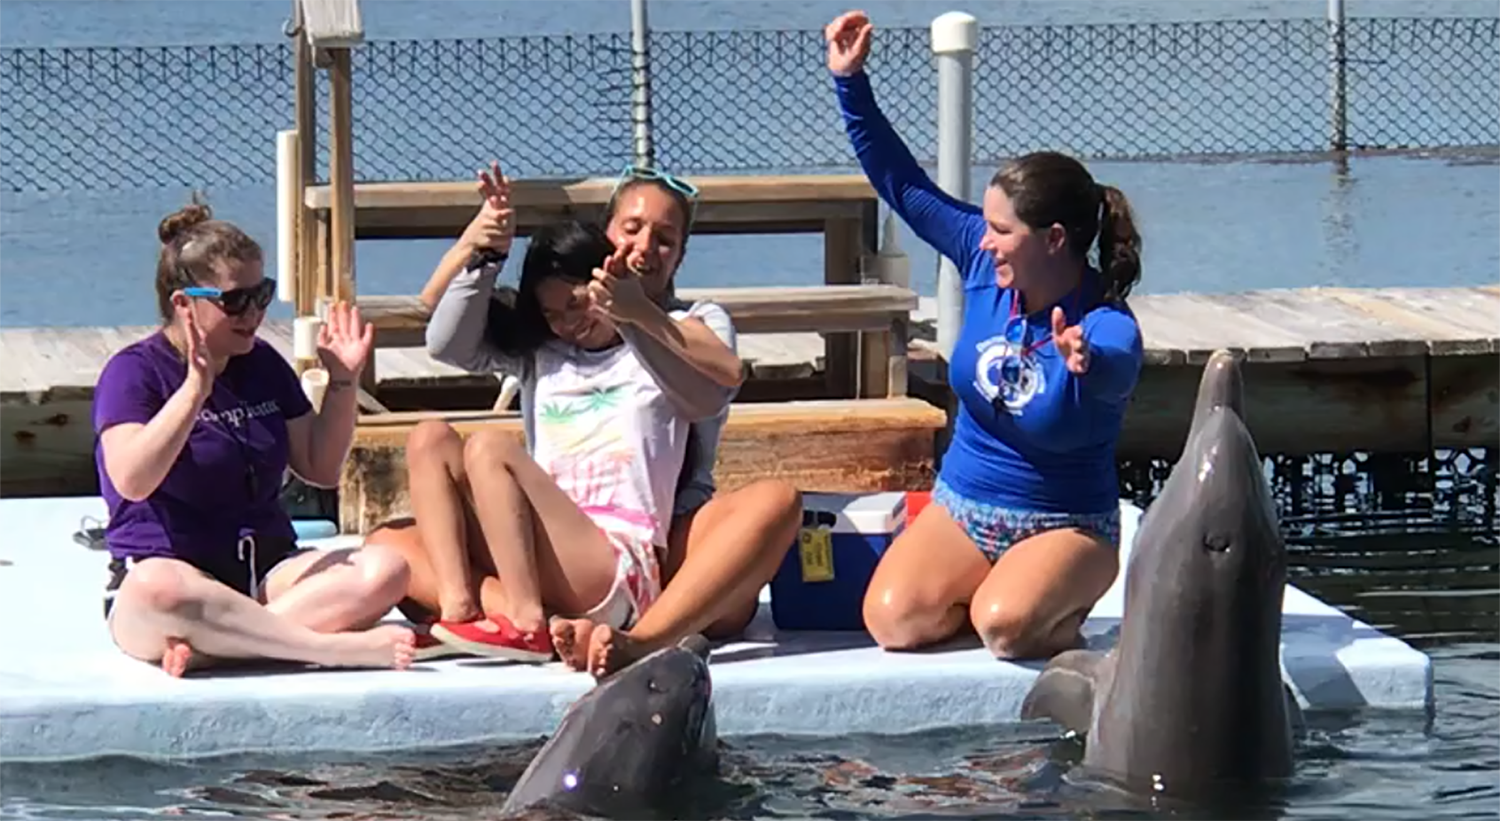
{"points": [[335, 384]]}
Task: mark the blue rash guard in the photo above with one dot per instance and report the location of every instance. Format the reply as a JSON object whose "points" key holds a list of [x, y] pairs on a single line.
{"points": [[1048, 446]]}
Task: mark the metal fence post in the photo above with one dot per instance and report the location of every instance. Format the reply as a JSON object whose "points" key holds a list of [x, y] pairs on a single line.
{"points": [[955, 35], [1338, 123], [643, 152]]}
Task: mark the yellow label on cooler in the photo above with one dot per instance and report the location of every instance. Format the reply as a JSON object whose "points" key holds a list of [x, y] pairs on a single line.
{"points": [[816, 546]]}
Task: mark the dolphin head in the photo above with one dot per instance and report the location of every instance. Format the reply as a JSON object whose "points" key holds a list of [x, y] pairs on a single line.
{"points": [[627, 744], [1220, 385]]}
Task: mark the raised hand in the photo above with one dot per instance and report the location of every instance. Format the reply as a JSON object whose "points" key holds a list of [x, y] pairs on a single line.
{"points": [[493, 228], [344, 342], [616, 291], [200, 362], [1070, 342], [848, 39]]}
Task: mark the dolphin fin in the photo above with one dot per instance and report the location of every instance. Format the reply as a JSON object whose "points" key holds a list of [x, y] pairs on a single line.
{"points": [[1064, 692]]}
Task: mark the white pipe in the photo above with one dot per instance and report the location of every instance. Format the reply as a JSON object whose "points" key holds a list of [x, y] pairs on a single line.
{"points": [[287, 189], [305, 337], [955, 36]]}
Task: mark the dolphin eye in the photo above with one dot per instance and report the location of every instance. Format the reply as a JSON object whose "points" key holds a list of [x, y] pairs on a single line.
{"points": [[652, 685], [1217, 542]]}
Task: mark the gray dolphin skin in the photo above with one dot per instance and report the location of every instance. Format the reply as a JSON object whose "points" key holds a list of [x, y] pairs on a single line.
{"points": [[627, 747], [1191, 698]]}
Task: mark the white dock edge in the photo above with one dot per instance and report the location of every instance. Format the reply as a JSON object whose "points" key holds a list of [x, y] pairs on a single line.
{"points": [[66, 692]]}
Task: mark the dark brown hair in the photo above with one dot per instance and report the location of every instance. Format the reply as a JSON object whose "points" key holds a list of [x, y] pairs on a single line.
{"points": [[1046, 187], [192, 243]]}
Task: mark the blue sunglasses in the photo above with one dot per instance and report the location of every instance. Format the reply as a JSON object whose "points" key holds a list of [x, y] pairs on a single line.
{"points": [[239, 300], [643, 172]]}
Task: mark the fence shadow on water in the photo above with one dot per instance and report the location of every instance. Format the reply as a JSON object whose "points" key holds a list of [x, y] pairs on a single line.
{"points": [[741, 101], [1406, 543]]}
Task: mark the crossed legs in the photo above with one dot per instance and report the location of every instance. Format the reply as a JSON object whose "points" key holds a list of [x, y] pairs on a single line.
{"points": [[319, 607]]}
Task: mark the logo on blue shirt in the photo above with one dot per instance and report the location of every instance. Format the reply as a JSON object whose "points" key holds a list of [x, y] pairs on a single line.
{"points": [[1006, 376]]}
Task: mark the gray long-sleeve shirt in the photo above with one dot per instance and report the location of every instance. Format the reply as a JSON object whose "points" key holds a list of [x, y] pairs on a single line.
{"points": [[456, 336]]}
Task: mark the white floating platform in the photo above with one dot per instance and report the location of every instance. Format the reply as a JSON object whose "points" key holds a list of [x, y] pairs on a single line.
{"points": [[67, 692]]}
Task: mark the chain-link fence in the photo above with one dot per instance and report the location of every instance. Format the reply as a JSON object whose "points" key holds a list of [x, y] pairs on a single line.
{"points": [[742, 101]]}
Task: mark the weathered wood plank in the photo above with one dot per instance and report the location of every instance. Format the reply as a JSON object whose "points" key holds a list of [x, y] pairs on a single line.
{"points": [[1465, 400], [1199, 325], [1455, 321], [754, 310], [1331, 328], [1293, 408], [850, 446], [727, 204]]}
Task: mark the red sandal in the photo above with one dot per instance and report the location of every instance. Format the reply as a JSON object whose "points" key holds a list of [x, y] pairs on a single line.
{"points": [[496, 637]]}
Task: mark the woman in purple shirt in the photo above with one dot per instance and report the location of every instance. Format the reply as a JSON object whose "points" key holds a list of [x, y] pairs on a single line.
{"points": [[197, 425]]}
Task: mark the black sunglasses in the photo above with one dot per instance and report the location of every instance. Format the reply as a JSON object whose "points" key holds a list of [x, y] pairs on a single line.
{"points": [[240, 300]]}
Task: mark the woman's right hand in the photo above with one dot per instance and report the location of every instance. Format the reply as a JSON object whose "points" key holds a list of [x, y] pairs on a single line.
{"points": [[848, 39], [200, 363], [494, 226]]}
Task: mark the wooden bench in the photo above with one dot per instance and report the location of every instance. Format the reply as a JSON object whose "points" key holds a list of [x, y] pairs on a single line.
{"points": [[834, 446], [842, 207], [880, 312]]}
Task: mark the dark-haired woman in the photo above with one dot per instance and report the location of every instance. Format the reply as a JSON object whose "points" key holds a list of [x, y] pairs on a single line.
{"points": [[716, 551], [1023, 533], [196, 425]]}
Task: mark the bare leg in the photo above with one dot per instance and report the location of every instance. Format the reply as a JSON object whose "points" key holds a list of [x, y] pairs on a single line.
{"points": [[724, 555], [330, 591], [438, 488], [920, 592], [165, 603], [1033, 602], [545, 550]]}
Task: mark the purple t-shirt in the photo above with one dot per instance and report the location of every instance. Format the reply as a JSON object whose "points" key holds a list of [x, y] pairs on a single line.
{"points": [[204, 504]]}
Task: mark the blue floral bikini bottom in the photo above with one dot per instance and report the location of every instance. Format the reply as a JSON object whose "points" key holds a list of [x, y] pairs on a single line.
{"points": [[996, 529]]}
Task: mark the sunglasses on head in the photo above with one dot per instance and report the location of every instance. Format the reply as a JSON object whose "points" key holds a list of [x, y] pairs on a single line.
{"points": [[643, 172], [239, 300]]}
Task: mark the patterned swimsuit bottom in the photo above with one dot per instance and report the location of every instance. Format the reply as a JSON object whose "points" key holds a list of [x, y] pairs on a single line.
{"points": [[997, 529]]}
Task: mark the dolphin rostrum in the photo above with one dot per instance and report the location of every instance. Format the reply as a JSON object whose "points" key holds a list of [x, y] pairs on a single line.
{"points": [[1191, 698], [628, 747]]}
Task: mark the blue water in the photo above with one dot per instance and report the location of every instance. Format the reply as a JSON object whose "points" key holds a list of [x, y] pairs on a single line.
{"points": [[109, 155], [98, 145]]}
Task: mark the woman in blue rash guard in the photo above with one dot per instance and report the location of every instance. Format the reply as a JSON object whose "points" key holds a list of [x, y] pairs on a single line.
{"points": [[1022, 535]]}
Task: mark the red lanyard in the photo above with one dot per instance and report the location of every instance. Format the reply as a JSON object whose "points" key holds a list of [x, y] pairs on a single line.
{"points": [[1015, 311]]}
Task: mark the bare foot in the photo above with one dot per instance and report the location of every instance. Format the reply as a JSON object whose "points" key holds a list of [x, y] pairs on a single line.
{"points": [[389, 645], [459, 608], [177, 656], [571, 638], [611, 650]]}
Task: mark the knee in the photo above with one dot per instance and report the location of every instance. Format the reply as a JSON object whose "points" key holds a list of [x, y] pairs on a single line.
{"points": [[429, 438], [780, 506], [384, 572], [1008, 632], [162, 586], [492, 447], [896, 620]]}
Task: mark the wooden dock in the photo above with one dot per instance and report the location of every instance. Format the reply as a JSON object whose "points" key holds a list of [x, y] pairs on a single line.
{"points": [[1328, 370]]}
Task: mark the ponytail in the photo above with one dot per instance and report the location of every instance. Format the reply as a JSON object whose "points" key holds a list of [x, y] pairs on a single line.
{"points": [[1119, 245]]}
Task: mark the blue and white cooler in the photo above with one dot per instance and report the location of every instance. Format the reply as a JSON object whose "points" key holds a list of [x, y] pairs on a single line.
{"points": [[821, 583]]}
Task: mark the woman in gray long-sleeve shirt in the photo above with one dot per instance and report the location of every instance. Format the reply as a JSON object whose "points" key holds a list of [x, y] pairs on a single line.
{"points": [[722, 548]]}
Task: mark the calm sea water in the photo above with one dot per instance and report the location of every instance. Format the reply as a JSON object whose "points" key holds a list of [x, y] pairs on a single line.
{"points": [[84, 256]]}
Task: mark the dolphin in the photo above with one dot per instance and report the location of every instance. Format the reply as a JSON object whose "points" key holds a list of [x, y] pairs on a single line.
{"points": [[1191, 698], [626, 748]]}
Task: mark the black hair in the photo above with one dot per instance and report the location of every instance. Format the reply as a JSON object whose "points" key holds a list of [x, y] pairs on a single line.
{"points": [[566, 250]]}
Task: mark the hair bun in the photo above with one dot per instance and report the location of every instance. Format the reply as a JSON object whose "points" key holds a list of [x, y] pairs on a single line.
{"points": [[176, 223]]}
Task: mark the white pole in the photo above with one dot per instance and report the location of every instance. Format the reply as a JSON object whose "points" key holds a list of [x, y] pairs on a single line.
{"points": [[640, 85], [955, 36], [288, 190]]}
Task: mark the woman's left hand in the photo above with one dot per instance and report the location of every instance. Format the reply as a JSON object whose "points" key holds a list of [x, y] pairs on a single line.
{"points": [[345, 342], [616, 291], [1070, 342]]}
